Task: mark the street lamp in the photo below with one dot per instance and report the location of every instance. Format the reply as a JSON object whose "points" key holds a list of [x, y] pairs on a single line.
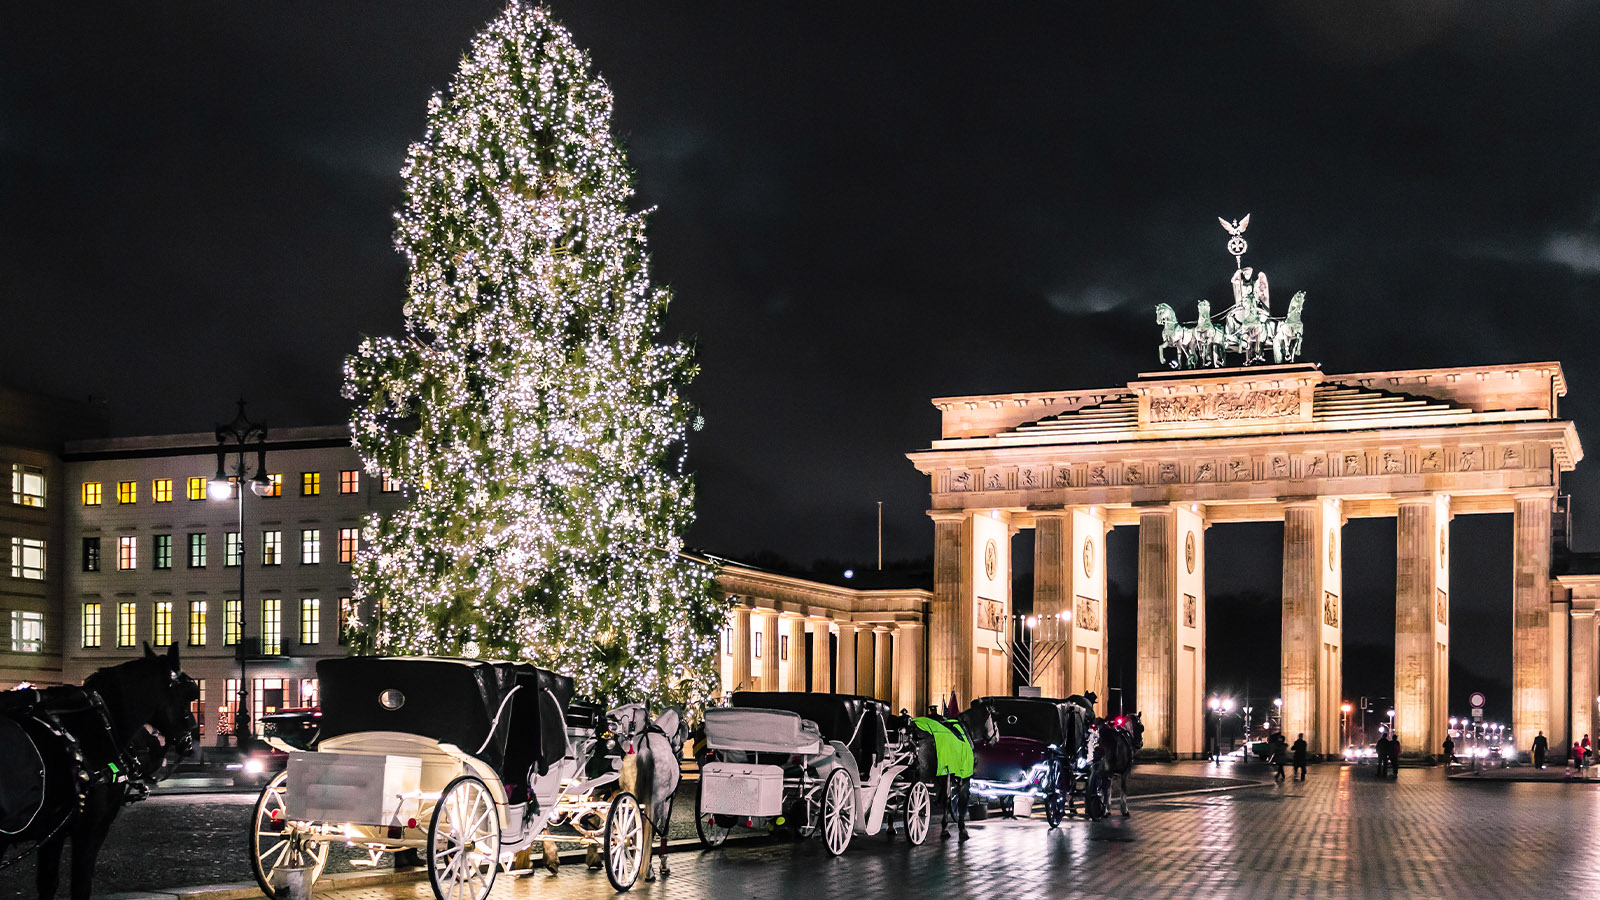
{"points": [[1277, 705], [1344, 725], [241, 432]]}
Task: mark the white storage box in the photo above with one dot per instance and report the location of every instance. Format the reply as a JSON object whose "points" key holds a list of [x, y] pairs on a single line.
{"points": [[354, 788], [741, 789]]}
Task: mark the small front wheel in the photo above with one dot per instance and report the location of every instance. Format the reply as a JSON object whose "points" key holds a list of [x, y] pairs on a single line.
{"points": [[838, 811], [624, 842], [919, 812], [711, 832], [464, 841], [1054, 809]]}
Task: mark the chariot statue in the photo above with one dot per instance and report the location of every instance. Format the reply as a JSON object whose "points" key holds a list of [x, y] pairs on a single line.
{"points": [[1248, 327]]}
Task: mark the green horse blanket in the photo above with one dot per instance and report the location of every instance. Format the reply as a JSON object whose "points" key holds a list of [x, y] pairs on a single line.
{"points": [[951, 747]]}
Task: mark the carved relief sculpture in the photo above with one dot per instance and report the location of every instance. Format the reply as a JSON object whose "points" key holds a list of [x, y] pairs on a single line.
{"points": [[1469, 460], [1314, 466], [1352, 464], [1097, 475], [1237, 471], [1063, 478], [1087, 616], [1440, 604], [1330, 609], [1511, 458], [1189, 603], [1280, 467], [994, 481], [1030, 478], [1188, 552], [1204, 472], [1430, 461], [1135, 473], [991, 559], [1269, 404], [961, 481], [1169, 473], [1391, 461], [1088, 557]]}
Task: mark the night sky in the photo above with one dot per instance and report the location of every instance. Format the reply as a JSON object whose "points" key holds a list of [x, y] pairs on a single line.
{"points": [[859, 208]]}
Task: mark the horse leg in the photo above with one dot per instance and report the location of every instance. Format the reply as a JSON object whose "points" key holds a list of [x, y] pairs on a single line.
{"points": [[947, 811], [1122, 789], [47, 869], [965, 790], [88, 834]]}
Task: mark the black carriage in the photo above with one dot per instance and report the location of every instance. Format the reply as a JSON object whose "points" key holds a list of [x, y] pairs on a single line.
{"points": [[466, 761], [1040, 753], [834, 763]]}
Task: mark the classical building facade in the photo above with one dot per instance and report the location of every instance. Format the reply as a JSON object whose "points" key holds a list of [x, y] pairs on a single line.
{"points": [[1173, 452]]}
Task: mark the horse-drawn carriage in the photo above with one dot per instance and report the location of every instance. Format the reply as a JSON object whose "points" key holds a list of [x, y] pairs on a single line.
{"points": [[469, 762], [833, 763], [1039, 752]]}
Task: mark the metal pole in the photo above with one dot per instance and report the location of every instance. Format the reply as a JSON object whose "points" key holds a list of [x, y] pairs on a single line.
{"points": [[241, 719], [880, 535]]}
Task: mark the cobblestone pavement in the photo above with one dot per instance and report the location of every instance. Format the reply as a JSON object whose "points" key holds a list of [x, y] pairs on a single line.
{"points": [[1340, 834]]}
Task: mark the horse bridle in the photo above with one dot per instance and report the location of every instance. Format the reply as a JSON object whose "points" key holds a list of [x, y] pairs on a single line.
{"points": [[171, 744]]}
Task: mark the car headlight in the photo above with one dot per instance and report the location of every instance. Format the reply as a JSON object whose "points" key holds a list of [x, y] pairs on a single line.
{"points": [[254, 767]]}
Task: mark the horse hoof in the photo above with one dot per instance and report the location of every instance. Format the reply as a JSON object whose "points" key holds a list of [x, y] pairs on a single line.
{"points": [[964, 835], [944, 835]]}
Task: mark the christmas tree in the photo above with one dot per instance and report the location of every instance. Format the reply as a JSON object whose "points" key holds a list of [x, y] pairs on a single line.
{"points": [[531, 412]]}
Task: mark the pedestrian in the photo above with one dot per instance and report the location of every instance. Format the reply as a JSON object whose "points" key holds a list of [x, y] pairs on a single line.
{"points": [[1280, 747], [1300, 757], [1588, 756], [1575, 760], [1541, 746], [1449, 750], [1394, 756]]}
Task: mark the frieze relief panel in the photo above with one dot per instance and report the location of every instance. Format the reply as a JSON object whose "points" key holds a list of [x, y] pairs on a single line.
{"points": [[1469, 459], [991, 613], [1087, 615], [1330, 609], [1266, 404]]}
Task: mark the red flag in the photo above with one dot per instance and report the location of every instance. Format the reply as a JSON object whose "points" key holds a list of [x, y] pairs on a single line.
{"points": [[953, 707]]}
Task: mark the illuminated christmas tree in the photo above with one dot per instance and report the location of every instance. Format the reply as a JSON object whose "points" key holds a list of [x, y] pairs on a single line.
{"points": [[531, 412]]}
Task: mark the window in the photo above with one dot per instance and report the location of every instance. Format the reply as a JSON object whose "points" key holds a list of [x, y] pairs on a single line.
{"points": [[309, 692], [127, 492], [197, 623], [91, 624], [163, 632], [274, 486], [310, 484], [271, 548], [783, 647], [128, 552], [232, 627], [310, 546], [310, 620], [272, 627], [91, 554], [163, 546], [27, 558], [348, 538], [349, 481], [757, 637], [197, 550], [27, 631], [161, 490], [198, 705], [195, 487], [346, 619], [91, 493], [229, 705], [27, 485], [267, 699], [232, 552], [127, 623], [390, 485]]}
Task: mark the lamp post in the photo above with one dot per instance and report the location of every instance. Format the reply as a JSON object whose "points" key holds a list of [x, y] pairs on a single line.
{"points": [[241, 433], [1277, 708], [1344, 726], [1216, 730]]}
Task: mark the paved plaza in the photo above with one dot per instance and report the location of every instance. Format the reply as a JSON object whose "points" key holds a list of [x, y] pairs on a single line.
{"points": [[1339, 834]]}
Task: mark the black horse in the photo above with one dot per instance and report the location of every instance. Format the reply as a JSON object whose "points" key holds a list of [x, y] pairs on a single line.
{"points": [[977, 728], [75, 755], [1113, 744]]}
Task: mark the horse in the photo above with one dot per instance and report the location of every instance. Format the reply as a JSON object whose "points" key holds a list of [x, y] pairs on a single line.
{"points": [[944, 750], [1209, 340], [1112, 745], [1178, 337], [1287, 335], [89, 750]]}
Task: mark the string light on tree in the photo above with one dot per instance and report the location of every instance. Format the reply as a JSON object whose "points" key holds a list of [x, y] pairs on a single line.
{"points": [[530, 409]]}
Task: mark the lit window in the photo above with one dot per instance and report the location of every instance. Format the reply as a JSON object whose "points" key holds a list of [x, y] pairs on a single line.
{"points": [[27, 485], [91, 493], [91, 624], [232, 551], [197, 623], [275, 486], [232, 626], [91, 554], [195, 487], [310, 546], [269, 697], [310, 620], [163, 632], [229, 707], [346, 619], [27, 631], [310, 484], [390, 485], [161, 490], [272, 627], [349, 481], [27, 558], [163, 546], [127, 552], [197, 550], [271, 548], [198, 705], [127, 492], [348, 540], [127, 623]]}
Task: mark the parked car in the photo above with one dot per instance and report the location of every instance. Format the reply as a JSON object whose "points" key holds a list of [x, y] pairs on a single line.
{"points": [[260, 760]]}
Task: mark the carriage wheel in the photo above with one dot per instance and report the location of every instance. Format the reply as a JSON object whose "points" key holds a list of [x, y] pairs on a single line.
{"points": [[838, 812], [624, 842], [463, 841], [1055, 807], [919, 812], [1097, 797], [705, 824], [271, 848]]}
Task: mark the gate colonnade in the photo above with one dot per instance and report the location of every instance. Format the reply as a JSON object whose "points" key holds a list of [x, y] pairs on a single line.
{"points": [[1173, 452]]}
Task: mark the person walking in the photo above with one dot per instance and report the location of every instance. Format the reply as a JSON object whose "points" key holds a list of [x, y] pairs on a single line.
{"points": [[1394, 756], [1450, 751], [1300, 757], [1541, 746], [1280, 746]]}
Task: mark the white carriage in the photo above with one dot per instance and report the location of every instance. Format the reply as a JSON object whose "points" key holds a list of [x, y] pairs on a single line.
{"points": [[463, 762], [833, 763]]}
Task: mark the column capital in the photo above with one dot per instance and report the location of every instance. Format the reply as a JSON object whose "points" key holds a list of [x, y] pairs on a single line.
{"points": [[949, 515], [1418, 499], [1545, 493]]}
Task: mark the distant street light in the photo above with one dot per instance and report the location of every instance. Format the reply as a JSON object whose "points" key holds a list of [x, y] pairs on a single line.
{"points": [[241, 432]]}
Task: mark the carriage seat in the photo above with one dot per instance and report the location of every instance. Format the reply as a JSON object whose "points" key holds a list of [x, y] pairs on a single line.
{"points": [[860, 723], [762, 731]]}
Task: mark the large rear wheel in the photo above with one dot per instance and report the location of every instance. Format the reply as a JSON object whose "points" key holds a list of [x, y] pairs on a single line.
{"points": [[463, 841], [838, 811], [919, 812], [624, 842], [272, 844], [712, 834]]}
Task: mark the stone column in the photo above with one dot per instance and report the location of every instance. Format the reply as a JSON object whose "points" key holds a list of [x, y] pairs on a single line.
{"points": [[1530, 620], [1052, 594], [910, 692], [1585, 686], [821, 654], [1158, 614], [1560, 668], [1421, 613], [741, 649], [845, 683], [950, 619], [866, 674], [794, 668], [1311, 644], [767, 665], [883, 663]]}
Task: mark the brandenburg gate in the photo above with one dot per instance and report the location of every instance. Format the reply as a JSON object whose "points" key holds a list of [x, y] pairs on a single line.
{"points": [[1172, 452]]}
